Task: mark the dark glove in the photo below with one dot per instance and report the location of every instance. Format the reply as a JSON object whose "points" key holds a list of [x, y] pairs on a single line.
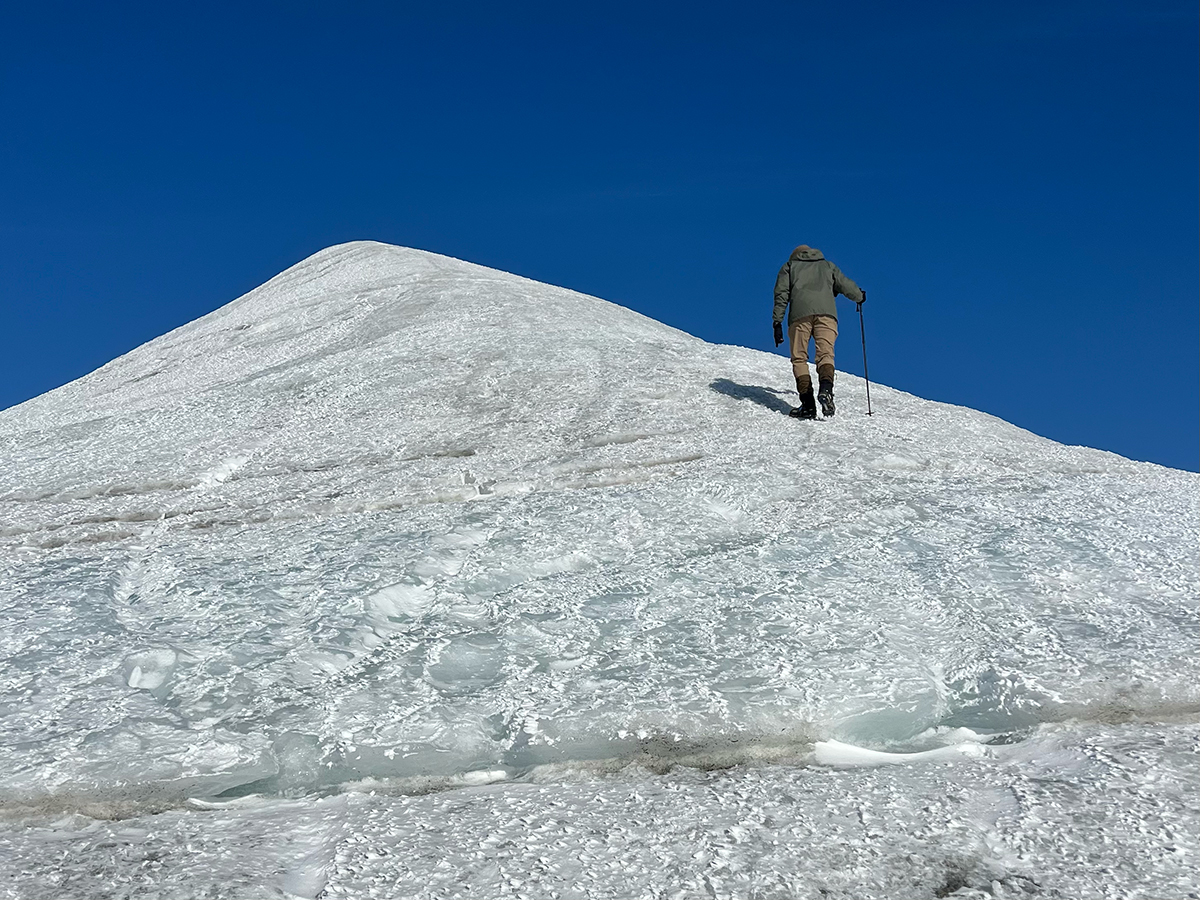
{"points": [[778, 333], [863, 300]]}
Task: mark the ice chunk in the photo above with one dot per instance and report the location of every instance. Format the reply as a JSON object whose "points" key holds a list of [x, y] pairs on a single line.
{"points": [[149, 669], [221, 472], [411, 600], [847, 756]]}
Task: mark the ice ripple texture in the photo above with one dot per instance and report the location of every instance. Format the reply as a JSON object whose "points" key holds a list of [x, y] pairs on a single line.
{"points": [[397, 522]]}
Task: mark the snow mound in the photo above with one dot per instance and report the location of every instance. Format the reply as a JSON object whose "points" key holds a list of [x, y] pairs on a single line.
{"points": [[393, 516]]}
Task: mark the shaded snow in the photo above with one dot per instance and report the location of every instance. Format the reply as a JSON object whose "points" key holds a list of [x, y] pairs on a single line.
{"points": [[397, 523]]}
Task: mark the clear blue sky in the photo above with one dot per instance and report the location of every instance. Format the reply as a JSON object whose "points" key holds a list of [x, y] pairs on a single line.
{"points": [[1015, 184]]}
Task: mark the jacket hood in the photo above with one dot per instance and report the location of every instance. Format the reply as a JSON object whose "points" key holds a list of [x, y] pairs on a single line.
{"points": [[806, 252]]}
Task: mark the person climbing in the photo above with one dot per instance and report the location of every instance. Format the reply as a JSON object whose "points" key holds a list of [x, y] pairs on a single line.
{"points": [[810, 283]]}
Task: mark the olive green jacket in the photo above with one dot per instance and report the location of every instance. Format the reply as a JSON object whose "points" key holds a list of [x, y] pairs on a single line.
{"points": [[810, 284]]}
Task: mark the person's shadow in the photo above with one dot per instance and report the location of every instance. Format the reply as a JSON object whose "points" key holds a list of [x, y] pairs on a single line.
{"points": [[763, 396]]}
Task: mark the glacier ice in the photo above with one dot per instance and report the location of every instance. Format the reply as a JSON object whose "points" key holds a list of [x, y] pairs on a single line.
{"points": [[394, 524]]}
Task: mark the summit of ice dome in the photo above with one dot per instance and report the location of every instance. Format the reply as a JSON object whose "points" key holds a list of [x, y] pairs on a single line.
{"points": [[397, 522], [362, 313]]}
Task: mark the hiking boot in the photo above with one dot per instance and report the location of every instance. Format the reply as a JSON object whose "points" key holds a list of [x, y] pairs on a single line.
{"points": [[825, 395], [807, 408]]}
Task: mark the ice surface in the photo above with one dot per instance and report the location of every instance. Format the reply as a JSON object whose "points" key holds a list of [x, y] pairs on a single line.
{"points": [[396, 523]]}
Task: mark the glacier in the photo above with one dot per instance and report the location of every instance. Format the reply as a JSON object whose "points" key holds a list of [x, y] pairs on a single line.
{"points": [[404, 577]]}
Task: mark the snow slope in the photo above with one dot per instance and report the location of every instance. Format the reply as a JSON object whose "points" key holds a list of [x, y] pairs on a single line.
{"points": [[400, 576]]}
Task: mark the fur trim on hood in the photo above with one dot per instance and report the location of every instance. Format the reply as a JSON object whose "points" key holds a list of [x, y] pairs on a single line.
{"points": [[806, 252]]}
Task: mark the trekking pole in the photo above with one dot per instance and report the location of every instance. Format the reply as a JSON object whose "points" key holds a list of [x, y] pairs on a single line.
{"points": [[863, 330]]}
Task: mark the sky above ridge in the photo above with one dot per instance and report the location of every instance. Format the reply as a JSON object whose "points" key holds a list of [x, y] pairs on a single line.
{"points": [[1015, 185]]}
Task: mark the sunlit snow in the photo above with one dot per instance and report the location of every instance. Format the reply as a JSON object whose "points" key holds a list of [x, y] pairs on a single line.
{"points": [[403, 577]]}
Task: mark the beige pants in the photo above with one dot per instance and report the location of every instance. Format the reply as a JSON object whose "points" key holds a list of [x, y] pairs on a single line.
{"points": [[823, 330]]}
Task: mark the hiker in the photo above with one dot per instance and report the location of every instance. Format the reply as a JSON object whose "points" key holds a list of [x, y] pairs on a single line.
{"points": [[810, 284]]}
